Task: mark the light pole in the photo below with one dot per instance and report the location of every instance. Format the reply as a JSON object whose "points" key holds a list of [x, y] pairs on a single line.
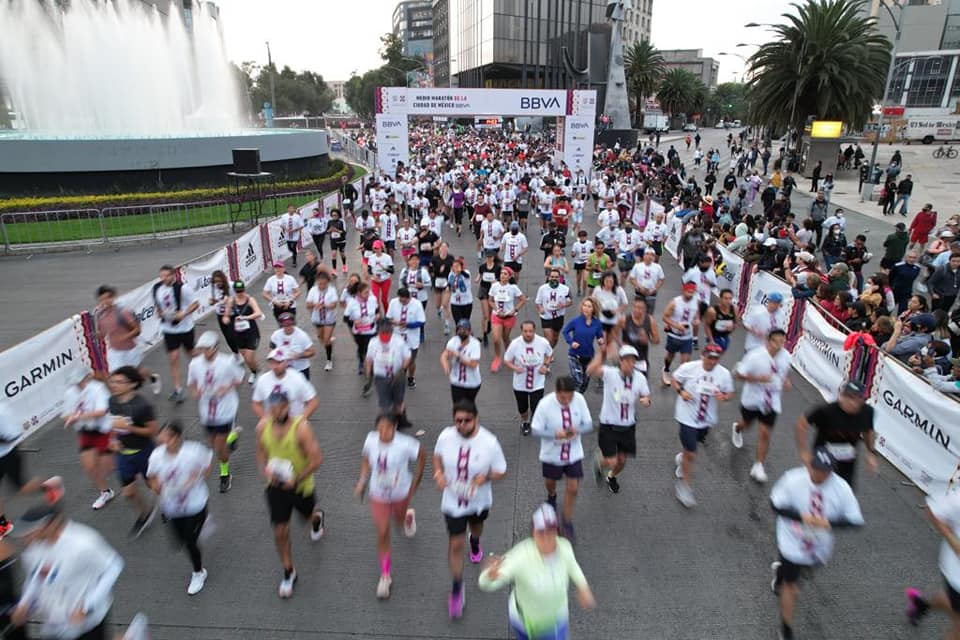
{"points": [[273, 89], [886, 87]]}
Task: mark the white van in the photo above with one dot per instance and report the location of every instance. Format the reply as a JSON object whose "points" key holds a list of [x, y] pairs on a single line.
{"points": [[928, 129]]}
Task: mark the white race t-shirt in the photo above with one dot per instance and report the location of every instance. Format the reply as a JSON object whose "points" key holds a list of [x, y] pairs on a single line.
{"points": [[210, 375], [553, 301], [764, 396], [379, 267], [326, 300], [700, 412], [550, 417], [491, 231], [363, 313], [387, 358], [412, 312], [389, 224], [706, 282], [282, 289], [95, 396], [504, 297], [167, 304], [460, 374], [620, 394], [298, 389], [758, 321], [463, 459], [295, 342], [513, 246], [292, 224], [183, 489], [581, 251], [390, 476], [530, 356], [648, 276]]}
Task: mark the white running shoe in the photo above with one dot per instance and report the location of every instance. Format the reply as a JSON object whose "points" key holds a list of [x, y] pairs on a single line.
{"points": [[383, 586], [685, 495], [286, 585], [156, 384], [316, 530], [736, 437], [197, 581], [775, 569], [102, 500], [410, 523], [678, 472], [328, 366], [758, 473], [665, 378], [252, 378]]}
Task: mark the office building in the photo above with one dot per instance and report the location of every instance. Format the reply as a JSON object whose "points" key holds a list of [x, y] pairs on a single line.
{"points": [[413, 24], [925, 24], [707, 69], [636, 22], [926, 80], [518, 43]]}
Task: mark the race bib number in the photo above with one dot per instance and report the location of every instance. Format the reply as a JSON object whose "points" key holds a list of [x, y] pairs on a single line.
{"points": [[488, 276], [842, 451], [440, 283], [502, 296], [346, 201], [724, 325], [241, 325], [335, 235], [706, 388]]}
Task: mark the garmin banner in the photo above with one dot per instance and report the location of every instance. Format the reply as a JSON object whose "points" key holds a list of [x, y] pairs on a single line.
{"points": [[819, 355], [729, 272], [918, 430]]}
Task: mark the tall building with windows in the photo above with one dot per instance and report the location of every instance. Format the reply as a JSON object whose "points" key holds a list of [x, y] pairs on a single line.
{"points": [[636, 22], [413, 24], [517, 43], [707, 69], [925, 24]]}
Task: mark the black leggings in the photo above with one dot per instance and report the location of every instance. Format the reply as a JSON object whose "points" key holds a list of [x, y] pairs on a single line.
{"points": [[292, 246], [187, 530], [461, 312], [228, 335], [363, 341], [318, 243]]}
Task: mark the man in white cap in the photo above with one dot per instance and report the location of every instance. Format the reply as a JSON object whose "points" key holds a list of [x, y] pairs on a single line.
{"points": [[213, 378], [301, 394], [759, 320], [624, 387]]}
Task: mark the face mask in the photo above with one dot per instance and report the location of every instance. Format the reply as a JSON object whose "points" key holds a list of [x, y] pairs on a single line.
{"points": [[554, 284], [836, 232], [514, 231]]}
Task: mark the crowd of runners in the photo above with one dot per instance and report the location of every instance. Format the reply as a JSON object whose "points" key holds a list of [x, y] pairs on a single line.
{"points": [[382, 264]]}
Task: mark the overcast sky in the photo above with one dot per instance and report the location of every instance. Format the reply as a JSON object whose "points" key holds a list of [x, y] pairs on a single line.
{"points": [[335, 38]]}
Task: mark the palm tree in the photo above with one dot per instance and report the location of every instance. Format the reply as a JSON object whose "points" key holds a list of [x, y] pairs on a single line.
{"points": [[829, 62], [644, 67], [681, 92]]}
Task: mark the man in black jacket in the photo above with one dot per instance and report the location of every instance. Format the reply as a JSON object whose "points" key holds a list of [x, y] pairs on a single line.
{"points": [[348, 195], [904, 189]]}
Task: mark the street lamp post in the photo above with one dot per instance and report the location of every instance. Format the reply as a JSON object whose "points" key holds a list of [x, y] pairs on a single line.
{"points": [[273, 88], [886, 87]]}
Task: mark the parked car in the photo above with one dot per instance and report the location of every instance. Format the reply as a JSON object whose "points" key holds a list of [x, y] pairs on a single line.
{"points": [[335, 145], [737, 124], [690, 126], [720, 125]]}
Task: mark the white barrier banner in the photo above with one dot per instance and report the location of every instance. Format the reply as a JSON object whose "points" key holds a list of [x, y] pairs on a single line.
{"points": [[762, 284], [918, 430], [332, 201], [674, 231], [728, 276], [36, 372], [278, 240], [392, 142], [358, 185], [819, 355], [141, 304], [577, 139], [197, 275], [250, 255]]}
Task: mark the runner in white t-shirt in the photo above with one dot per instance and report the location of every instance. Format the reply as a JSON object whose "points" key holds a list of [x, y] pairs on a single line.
{"points": [[86, 408], [292, 223], [175, 303], [281, 290], [552, 300], [322, 303], [647, 277], [301, 394], [467, 460], [580, 251], [460, 360], [529, 357], [385, 476], [406, 315], [506, 300], [765, 371], [213, 378], [944, 513], [700, 385], [759, 320], [560, 420]]}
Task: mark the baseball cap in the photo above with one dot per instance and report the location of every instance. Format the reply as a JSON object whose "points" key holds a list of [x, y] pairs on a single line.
{"points": [[207, 340], [776, 296], [514, 225], [277, 263], [770, 242], [286, 317], [650, 250], [463, 323], [544, 518], [378, 244], [424, 223], [946, 233], [924, 320], [822, 459], [628, 351], [278, 396], [239, 285], [689, 286], [852, 388], [712, 351], [805, 256], [277, 354], [34, 519]]}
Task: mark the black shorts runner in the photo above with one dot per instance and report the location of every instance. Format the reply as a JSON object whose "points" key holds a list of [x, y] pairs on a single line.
{"points": [[457, 525], [173, 341], [528, 400], [555, 324], [247, 340], [283, 502], [749, 415], [614, 440], [791, 572], [557, 472]]}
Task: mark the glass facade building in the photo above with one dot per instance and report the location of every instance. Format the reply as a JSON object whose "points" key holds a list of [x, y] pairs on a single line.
{"points": [[926, 80]]}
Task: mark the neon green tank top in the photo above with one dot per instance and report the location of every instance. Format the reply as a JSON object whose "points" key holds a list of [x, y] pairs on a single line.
{"points": [[287, 448]]}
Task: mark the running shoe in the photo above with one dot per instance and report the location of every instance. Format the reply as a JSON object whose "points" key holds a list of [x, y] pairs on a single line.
{"points": [[758, 473], [569, 533], [439, 312], [665, 378], [197, 581], [678, 461], [685, 495], [383, 586], [597, 468], [52, 489], [328, 366], [344, 270], [102, 500], [735, 436], [359, 368], [486, 340], [286, 585], [613, 484], [552, 501], [367, 386], [477, 557], [156, 385], [252, 378], [316, 528], [5, 529], [525, 428], [785, 633], [138, 527], [233, 438], [411, 383], [455, 603], [775, 580], [410, 523], [446, 328], [226, 483], [917, 606], [495, 365]]}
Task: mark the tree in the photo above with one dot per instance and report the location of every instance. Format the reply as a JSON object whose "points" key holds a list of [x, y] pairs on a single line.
{"points": [[681, 92], [728, 102], [644, 67], [829, 62], [298, 93], [360, 91]]}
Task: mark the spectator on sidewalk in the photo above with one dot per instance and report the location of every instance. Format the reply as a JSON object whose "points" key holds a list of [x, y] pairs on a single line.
{"points": [[902, 276], [922, 224], [944, 283], [815, 177], [904, 190], [836, 218], [908, 338], [818, 213], [895, 246], [888, 196], [833, 245], [856, 255]]}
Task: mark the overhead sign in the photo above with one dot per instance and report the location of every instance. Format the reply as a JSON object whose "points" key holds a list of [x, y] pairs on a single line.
{"points": [[826, 129], [895, 110], [467, 102], [392, 141]]}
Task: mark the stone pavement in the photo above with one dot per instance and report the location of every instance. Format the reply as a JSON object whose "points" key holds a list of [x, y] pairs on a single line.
{"points": [[658, 571]]}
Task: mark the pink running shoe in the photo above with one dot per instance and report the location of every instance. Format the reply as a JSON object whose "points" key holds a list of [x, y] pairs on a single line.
{"points": [[455, 603], [476, 558]]}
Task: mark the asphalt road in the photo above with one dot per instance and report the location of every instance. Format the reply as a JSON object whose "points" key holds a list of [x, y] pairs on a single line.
{"points": [[658, 570]]}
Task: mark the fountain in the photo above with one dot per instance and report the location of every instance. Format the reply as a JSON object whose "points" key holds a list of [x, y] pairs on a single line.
{"points": [[107, 93]]}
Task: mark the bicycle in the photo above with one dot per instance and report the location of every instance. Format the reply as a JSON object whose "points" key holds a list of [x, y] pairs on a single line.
{"points": [[946, 152]]}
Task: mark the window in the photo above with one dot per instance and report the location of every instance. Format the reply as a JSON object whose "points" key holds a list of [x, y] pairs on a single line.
{"points": [[951, 33], [928, 82]]}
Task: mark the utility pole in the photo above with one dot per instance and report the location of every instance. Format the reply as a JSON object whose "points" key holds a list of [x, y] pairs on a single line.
{"points": [[273, 88], [886, 87]]}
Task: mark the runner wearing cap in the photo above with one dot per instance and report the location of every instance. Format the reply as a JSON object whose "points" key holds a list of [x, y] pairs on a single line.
{"points": [[322, 302], [467, 460], [700, 386], [528, 357], [759, 320], [74, 601], [460, 360], [86, 408], [624, 387], [647, 277], [506, 301], [177, 473], [427, 242], [810, 502], [300, 393], [840, 426], [287, 455], [514, 245], [294, 342], [213, 378], [679, 319], [387, 359], [540, 569], [944, 513], [559, 421], [362, 311], [765, 372], [380, 267], [281, 291], [337, 231], [385, 475], [406, 316], [243, 312]]}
